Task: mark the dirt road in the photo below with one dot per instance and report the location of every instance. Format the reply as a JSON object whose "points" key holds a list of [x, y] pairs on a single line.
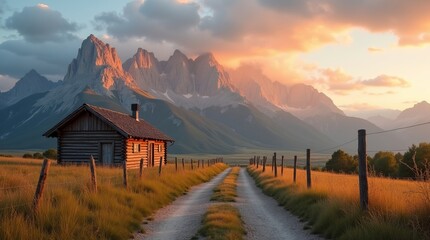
{"points": [[263, 218], [182, 219]]}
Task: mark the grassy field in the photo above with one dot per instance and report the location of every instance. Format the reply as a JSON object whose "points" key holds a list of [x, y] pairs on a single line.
{"points": [[226, 191], [223, 221], [70, 210], [398, 209]]}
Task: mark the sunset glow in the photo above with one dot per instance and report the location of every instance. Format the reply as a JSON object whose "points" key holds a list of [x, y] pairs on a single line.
{"points": [[364, 55]]}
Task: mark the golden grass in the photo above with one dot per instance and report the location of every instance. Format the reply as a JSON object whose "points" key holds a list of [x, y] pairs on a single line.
{"points": [[222, 222], [70, 210], [385, 195], [397, 208], [226, 191]]}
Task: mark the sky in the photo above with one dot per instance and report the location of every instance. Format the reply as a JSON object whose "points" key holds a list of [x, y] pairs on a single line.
{"points": [[365, 55]]}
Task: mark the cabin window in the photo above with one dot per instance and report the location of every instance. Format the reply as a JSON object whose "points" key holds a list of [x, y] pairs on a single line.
{"points": [[136, 147]]}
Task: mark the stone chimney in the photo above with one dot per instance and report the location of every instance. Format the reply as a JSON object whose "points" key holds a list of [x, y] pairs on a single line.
{"points": [[135, 111]]}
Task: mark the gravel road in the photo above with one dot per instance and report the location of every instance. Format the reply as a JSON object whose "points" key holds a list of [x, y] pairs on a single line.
{"points": [[182, 219], [263, 218]]}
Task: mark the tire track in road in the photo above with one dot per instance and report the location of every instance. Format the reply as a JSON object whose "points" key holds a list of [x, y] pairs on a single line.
{"points": [[263, 217], [182, 218]]}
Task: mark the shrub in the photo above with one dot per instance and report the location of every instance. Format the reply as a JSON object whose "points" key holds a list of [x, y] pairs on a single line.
{"points": [[27, 155], [50, 153], [341, 162], [385, 163], [38, 155], [415, 161]]}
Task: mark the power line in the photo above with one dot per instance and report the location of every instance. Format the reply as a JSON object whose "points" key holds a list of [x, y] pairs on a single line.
{"points": [[399, 128], [337, 146]]}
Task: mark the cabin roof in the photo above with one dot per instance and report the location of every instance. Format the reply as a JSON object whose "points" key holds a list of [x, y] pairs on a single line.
{"points": [[123, 123]]}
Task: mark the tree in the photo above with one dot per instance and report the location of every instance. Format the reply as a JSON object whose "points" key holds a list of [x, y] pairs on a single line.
{"points": [[27, 155], [37, 155], [415, 160], [341, 162], [50, 153], [385, 163]]}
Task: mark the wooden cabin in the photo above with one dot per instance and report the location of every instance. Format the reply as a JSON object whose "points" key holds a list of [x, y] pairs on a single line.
{"points": [[110, 137]]}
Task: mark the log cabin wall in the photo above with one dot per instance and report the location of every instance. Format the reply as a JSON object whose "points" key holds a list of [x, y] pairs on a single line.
{"points": [[135, 150], [84, 136], [138, 148], [159, 151]]}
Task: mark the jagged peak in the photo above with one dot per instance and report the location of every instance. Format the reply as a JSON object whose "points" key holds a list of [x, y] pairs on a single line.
{"points": [[32, 72], [178, 54], [207, 57], [32, 75], [94, 39], [421, 104]]}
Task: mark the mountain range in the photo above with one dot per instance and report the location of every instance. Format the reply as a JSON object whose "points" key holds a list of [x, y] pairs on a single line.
{"points": [[205, 107]]}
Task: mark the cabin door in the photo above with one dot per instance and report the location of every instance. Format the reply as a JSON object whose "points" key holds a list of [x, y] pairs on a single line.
{"points": [[107, 153], [151, 157]]}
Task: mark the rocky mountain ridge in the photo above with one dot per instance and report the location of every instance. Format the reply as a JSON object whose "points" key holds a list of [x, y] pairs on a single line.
{"points": [[30, 84]]}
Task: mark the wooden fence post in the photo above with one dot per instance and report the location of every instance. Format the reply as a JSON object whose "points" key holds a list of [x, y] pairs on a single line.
{"points": [[295, 168], [176, 164], [198, 163], [208, 162], [93, 173], [159, 167], [264, 163], [275, 165], [308, 168], [258, 161], [141, 168], [124, 170], [362, 170], [183, 164], [41, 184], [282, 165], [192, 167]]}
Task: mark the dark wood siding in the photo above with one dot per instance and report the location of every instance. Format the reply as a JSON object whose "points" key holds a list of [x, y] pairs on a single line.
{"points": [[87, 122], [83, 137], [76, 147]]}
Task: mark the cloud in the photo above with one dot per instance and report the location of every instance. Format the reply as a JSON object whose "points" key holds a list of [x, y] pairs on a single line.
{"points": [[6, 82], [171, 14], [386, 81], [2, 6], [409, 21], [48, 58], [157, 20], [374, 49], [232, 29], [41, 24], [342, 83]]}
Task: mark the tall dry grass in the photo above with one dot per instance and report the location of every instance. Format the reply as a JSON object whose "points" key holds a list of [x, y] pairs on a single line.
{"points": [[70, 210], [397, 208], [226, 191], [223, 221]]}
